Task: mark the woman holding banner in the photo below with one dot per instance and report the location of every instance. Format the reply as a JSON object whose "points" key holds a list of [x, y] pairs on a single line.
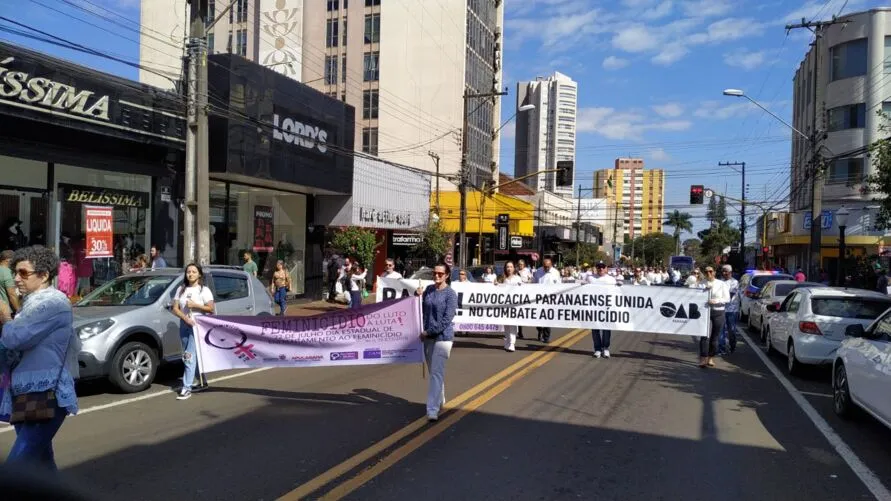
{"points": [[440, 303], [357, 285], [510, 277], [192, 300]]}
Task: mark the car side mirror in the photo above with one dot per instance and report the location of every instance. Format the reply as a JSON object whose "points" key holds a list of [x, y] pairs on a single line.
{"points": [[855, 330]]}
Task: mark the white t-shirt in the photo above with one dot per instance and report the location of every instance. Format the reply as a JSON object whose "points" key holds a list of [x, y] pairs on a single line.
{"points": [[513, 280], [525, 275], [551, 276], [198, 294], [391, 274], [489, 278], [602, 280]]}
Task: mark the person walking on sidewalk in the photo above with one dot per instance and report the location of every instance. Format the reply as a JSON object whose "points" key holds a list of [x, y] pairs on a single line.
{"points": [[281, 284], [192, 300], [510, 277], [731, 312], [439, 306], [718, 297], [250, 267], [546, 275], [601, 336], [357, 285]]}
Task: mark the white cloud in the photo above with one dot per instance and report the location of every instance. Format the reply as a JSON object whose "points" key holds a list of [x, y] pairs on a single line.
{"points": [[614, 63], [658, 154], [707, 8], [822, 9], [670, 53], [658, 11], [623, 125], [635, 38], [720, 110], [510, 130], [560, 30], [668, 110], [741, 58]]}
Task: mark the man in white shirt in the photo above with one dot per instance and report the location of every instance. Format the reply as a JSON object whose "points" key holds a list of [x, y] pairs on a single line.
{"points": [[639, 278], [391, 272], [546, 275], [731, 312], [718, 297], [601, 336]]}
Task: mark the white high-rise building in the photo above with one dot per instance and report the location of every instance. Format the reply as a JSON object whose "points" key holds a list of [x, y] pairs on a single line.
{"points": [[545, 137]]}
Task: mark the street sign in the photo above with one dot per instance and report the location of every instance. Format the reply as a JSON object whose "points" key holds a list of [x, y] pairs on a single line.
{"points": [[516, 242], [709, 193], [502, 238]]}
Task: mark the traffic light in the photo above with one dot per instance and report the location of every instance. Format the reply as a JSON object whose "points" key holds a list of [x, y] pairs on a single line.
{"points": [[765, 250], [564, 172], [696, 194]]}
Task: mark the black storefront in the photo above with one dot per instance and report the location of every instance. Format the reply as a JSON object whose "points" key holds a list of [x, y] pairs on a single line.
{"points": [[71, 137], [276, 144]]}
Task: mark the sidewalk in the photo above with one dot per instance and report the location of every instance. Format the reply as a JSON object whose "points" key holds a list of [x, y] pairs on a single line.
{"points": [[303, 308]]}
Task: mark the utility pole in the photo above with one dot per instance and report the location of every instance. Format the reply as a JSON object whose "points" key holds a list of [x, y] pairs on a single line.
{"points": [[196, 234], [815, 138], [435, 158], [463, 174], [742, 212], [578, 226]]}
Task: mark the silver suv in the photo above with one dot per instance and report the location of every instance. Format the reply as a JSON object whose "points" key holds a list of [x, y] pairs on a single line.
{"points": [[127, 328]]}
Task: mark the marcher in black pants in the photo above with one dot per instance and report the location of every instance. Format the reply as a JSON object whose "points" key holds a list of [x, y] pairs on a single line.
{"points": [[718, 296]]}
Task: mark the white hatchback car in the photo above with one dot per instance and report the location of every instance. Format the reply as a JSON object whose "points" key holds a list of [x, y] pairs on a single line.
{"points": [[861, 374], [772, 293], [810, 324]]}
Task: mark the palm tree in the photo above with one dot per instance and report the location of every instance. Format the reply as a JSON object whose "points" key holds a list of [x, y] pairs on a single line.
{"points": [[680, 221]]}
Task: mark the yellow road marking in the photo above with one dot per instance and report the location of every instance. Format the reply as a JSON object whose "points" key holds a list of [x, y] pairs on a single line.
{"points": [[377, 448]]}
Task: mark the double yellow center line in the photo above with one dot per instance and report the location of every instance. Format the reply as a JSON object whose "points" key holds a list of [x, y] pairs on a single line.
{"points": [[462, 405]]}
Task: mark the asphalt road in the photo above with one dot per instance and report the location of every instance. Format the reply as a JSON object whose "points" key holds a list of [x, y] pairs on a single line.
{"points": [[647, 424]]}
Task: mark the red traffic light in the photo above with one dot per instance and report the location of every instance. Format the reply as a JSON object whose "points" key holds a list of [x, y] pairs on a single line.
{"points": [[696, 194], [765, 250]]}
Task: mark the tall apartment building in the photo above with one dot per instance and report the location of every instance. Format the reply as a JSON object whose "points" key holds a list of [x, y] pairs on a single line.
{"points": [[638, 191], [268, 32], [405, 65], [853, 60], [545, 135]]}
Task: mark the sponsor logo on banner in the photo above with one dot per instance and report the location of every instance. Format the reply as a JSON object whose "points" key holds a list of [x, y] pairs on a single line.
{"points": [[679, 313], [372, 353], [345, 355]]}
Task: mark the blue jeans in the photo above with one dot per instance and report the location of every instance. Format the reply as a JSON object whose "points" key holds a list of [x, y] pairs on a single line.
{"points": [[281, 296], [601, 338], [34, 442], [190, 354], [729, 331], [355, 299]]}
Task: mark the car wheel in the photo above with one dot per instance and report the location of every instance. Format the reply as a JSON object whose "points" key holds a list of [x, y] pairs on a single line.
{"points": [[841, 392], [792, 363], [133, 367]]}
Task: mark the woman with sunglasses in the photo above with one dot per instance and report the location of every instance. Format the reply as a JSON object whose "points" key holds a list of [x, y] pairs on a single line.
{"points": [[718, 297], [439, 305], [43, 347], [192, 300]]}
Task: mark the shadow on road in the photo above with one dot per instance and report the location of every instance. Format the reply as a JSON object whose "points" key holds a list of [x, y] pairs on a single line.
{"points": [[521, 346]]}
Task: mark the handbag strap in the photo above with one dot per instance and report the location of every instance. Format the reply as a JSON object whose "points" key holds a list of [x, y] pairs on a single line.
{"points": [[64, 361]]}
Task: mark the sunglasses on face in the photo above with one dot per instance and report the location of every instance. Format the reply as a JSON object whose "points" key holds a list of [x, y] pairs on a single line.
{"points": [[22, 273], [438, 273]]}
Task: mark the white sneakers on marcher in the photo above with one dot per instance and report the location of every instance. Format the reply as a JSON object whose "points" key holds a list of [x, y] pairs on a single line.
{"points": [[605, 353], [597, 354]]}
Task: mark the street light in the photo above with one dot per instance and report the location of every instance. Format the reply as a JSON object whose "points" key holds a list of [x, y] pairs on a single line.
{"points": [[841, 216], [739, 93]]}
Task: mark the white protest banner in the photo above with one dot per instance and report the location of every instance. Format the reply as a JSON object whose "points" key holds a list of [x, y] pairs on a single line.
{"points": [[384, 333], [394, 288], [660, 310]]}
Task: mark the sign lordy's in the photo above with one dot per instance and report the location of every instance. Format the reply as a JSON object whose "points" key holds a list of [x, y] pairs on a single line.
{"points": [[48, 93], [293, 131]]}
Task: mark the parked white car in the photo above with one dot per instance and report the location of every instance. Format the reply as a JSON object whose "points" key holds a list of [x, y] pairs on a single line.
{"points": [[861, 373], [772, 293], [750, 285], [810, 324]]}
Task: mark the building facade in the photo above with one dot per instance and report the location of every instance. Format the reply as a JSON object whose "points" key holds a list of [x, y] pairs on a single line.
{"points": [[405, 66], [545, 136], [839, 104], [636, 191], [606, 217]]}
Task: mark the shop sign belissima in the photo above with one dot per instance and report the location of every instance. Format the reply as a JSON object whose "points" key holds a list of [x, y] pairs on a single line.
{"points": [[73, 193], [44, 92]]}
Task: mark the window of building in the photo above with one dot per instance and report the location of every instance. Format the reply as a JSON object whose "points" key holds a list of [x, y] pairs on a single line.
{"points": [[343, 97], [372, 28], [886, 108], [887, 59], [847, 117], [331, 32], [846, 171], [343, 69], [211, 11], [369, 104], [369, 140], [344, 41], [229, 44], [371, 70], [330, 70], [332, 5], [210, 43], [847, 60], [372, 3], [242, 11], [241, 42]]}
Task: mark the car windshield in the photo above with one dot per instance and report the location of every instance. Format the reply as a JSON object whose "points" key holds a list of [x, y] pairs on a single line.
{"points": [[784, 289], [133, 290], [849, 307], [760, 280]]}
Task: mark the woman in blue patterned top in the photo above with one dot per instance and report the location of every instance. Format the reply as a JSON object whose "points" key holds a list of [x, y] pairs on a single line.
{"points": [[41, 346], [440, 303]]}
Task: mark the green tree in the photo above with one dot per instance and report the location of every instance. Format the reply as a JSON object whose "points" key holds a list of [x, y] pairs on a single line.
{"points": [[880, 182], [356, 242], [721, 211], [681, 222], [654, 249], [711, 210], [692, 247], [588, 253], [716, 239], [434, 243]]}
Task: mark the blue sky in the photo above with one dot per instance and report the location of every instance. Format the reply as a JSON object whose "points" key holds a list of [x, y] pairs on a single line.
{"points": [[650, 76]]}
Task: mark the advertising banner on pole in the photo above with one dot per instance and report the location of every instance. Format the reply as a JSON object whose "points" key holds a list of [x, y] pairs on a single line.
{"points": [[659, 310], [99, 222], [389, 289], [384, 333]]}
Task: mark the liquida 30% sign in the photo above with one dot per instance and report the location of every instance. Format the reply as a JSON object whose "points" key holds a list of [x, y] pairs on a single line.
{"points": [[100, 231]]}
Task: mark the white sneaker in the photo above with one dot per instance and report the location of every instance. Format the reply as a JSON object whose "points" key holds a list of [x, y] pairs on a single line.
{"points": [[605, 353], [184, 394], [596, 354], [432, 417]]}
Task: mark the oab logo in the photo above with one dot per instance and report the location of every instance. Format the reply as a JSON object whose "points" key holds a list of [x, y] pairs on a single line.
{"points": [[669, 310]]}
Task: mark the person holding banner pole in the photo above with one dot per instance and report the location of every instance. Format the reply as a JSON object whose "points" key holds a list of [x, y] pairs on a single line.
{"points": [[601, 336], [357, 285], [192, 299], [439, 306], [510, 331], [546, 275], [718, 297]]}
